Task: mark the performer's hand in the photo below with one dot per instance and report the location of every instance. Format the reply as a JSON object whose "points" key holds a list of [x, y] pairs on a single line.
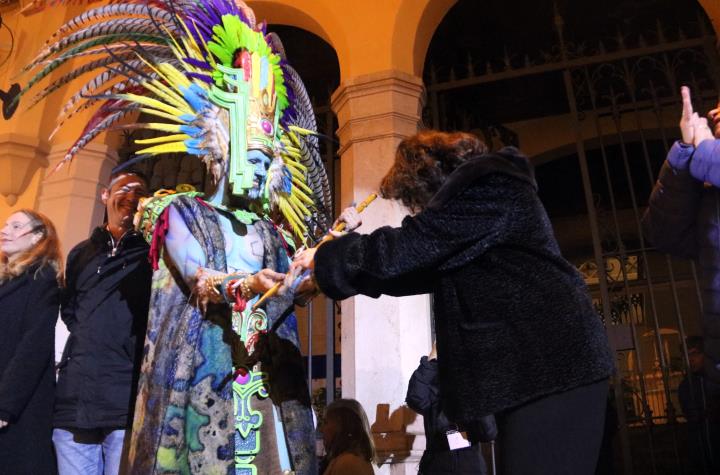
{"points": [[205, 293], [688, 117], [3, 424], [264, 280], [303, 288], [714, 120], [351, 218]]}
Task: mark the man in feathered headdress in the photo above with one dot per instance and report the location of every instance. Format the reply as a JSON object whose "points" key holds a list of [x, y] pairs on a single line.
{"points": [[222, 388]]}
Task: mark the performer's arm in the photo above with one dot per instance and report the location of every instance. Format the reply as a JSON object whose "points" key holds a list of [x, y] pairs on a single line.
{"points": [[189, 258], [184, 250]]}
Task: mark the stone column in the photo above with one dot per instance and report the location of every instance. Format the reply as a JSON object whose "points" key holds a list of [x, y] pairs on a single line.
{"points": [[382, 339], [21, 159], [70, 197]]}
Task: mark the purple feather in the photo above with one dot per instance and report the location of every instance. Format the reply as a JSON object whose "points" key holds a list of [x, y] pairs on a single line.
{"points": [[202, 77], [198, 64]]}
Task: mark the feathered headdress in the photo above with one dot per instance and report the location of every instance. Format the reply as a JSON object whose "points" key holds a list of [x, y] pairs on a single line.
{"points": [[216, 83]]}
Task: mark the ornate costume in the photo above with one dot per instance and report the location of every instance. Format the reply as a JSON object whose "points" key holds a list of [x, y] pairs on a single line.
{"points": [[221, 387]]}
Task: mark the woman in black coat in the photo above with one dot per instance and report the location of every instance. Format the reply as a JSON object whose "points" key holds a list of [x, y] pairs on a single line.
{"points": [[30, 270], [517, 335]]}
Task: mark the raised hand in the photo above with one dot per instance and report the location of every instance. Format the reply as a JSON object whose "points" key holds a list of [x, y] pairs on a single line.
{"points": [[714, 120], [688, 117], [702, 131]]}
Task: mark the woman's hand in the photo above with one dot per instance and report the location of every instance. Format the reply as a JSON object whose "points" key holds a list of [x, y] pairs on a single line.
{"points": [[263, 280], [351, 217], [3, 424], [304, 259], [433, 353]]}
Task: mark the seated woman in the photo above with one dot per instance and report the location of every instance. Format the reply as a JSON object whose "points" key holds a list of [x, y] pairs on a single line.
{"points": [[348, 443], [30, 271]]}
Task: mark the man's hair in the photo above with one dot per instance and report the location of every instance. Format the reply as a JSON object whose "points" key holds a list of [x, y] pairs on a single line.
{"points": [[695, 342], [117, 174], [424, 161]]}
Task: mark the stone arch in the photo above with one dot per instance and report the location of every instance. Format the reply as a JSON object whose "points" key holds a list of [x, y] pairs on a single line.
{"points": [[712, 9], [306, 15], [415, 25]]}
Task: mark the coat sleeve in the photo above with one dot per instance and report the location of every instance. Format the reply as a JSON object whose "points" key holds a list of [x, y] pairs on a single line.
{"points": [[705, 162], [422, 391], [407, 260], [670, 220], [68, 295], [35, 348]]}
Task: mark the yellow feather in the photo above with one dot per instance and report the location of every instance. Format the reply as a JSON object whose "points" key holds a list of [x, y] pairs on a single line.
{"points": [[153, 103], [170, 98], [298, 205], [162, 127], [295, 165], [162, 114], [303, 192], [162, 139], [301, 131], [172, 147]]}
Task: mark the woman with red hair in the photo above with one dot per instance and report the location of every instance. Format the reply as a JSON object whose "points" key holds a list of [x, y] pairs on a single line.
{"points": [[30, 273]]}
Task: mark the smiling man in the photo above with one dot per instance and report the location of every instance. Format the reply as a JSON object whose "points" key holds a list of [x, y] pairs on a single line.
{"points": [[104, 306]]}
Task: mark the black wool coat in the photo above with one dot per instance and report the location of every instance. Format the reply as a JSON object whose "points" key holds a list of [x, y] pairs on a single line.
{"points": [[105, 306], [514, 321], [28, 313]]}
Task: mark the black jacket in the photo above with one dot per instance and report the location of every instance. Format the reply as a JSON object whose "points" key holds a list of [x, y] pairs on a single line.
{"points": [[423, 397], [513, 318], [105, 307], [28, 313]]}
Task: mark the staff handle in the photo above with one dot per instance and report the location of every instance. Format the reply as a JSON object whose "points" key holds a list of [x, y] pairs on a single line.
{"points": [[340, 226]]}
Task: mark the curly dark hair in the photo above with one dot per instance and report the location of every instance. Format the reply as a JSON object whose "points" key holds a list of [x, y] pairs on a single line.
{"points": [[423, 163]]}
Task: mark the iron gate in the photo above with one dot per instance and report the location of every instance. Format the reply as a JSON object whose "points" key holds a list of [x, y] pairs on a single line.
{"points": [[621, 108]]}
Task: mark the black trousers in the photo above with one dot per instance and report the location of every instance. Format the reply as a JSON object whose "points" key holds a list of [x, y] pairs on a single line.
{"points": [[558, 434], [466, 461]]}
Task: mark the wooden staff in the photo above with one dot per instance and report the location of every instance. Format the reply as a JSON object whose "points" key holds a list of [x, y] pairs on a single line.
{"points": [[341, 226]]}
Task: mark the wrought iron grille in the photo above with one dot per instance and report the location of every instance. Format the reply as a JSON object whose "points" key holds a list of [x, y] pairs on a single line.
{"points": [[614, 116]]}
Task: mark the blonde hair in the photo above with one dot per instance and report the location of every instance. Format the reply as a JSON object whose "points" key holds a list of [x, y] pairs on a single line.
{"points": [[46, 252], [354, 430]]}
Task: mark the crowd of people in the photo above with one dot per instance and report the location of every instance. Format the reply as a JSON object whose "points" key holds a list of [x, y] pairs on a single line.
{"points": [[507, 366], [173, 363]]}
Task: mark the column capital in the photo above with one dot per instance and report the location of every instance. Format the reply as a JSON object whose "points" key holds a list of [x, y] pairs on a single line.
{"points": [[386, 104], [71, 195], [21, 156]]}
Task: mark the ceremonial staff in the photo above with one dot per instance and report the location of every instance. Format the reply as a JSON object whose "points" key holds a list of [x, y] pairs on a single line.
{"points": [[340, 226]]}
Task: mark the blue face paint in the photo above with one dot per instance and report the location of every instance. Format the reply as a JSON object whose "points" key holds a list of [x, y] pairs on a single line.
{"points": [[260, 164]]}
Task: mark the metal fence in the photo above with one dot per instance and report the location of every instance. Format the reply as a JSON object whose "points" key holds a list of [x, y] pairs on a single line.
{"points": [[620, 109]]}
